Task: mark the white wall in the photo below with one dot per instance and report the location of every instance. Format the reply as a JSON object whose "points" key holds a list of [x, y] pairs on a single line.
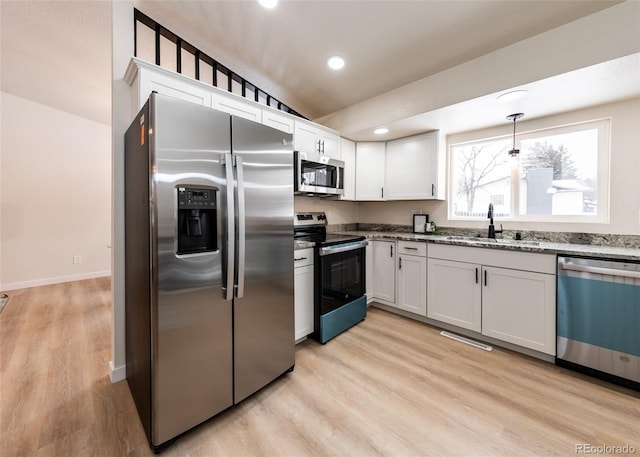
{"points": [[122, 49], [54, 195], [624, 205], [338, 212]]}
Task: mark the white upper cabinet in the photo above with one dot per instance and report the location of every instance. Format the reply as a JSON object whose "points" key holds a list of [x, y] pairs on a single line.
{"points": [[370, 158], [413, 168], [277, 120], [145, 78], [348, 156], [237, 106], [309, 137]]}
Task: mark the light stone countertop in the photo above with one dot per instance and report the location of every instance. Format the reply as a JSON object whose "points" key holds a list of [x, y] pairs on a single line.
{"points": [[509, 244]]}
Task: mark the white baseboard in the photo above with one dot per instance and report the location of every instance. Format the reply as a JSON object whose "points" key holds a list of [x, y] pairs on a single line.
{"points": [[54, 280], [117, 374]]}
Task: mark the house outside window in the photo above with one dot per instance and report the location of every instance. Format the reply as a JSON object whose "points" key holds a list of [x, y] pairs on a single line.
{"points": [[560, 175]]}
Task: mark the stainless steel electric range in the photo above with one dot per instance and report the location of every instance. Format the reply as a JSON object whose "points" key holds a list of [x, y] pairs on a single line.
{"points": [[339, 286]]}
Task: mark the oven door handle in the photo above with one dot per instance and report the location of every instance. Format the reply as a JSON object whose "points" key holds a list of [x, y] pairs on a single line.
{"points": [[328, 250]]}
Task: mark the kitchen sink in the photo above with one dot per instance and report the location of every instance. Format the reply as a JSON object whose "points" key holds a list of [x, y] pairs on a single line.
{"points": [[498, 241]]}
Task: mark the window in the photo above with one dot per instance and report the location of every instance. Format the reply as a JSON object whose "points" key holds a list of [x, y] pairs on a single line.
{"points": [[561, 174]]}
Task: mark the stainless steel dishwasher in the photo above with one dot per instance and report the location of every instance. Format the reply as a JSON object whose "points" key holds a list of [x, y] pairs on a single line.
{"points": [[598, 318]]}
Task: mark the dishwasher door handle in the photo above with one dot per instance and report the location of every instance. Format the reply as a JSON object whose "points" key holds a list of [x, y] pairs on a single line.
{"points": [[601, 270]]}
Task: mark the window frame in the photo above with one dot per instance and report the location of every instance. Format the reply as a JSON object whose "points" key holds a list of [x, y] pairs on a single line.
{"points": [[603, 126]]}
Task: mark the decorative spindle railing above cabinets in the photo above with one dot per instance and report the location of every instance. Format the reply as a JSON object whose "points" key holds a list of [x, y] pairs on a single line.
{"points": [[155, 43]]}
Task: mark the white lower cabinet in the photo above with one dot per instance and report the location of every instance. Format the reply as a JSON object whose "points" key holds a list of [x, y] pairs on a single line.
{"points": [[369, 271], [384, 272], [519, 307], [455, 294], [506, 295], [412, 277], [303, 292]]}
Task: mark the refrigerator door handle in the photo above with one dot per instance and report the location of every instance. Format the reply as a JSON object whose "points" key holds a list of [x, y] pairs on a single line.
{"points": [[241, 227], [227, 162]]}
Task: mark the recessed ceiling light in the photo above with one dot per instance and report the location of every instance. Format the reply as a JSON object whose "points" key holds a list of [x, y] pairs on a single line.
{"points": [[381, 131], [269, 4], [512, 95], [335, 62]]}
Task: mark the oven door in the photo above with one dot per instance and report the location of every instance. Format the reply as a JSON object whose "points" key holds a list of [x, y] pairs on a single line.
{"points": [[342, 275]]}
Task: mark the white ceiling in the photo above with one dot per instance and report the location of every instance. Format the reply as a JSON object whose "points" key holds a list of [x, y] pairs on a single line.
{"points": [[59, 52]]}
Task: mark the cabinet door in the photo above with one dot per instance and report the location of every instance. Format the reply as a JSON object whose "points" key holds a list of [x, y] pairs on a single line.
{"points": [[411, 167], [369, 271], [330, 145], [310, 138], [177, 87], [370, 171], [303, 301], [240, 108], [412, 284], [277, 120], [305, 137], [519, 307], [454, 293], [348, 156], [384, 272]]}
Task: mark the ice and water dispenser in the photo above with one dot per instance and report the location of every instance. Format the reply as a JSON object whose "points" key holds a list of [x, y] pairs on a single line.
{"points": [[197, 224]]}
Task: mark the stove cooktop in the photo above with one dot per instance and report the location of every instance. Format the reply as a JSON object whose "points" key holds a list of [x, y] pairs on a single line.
{"points": [[339, 238], [313, 227]]}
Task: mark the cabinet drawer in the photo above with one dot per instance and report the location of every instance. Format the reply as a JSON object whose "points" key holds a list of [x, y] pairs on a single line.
{"points": [[412, 248], [302, 257]]}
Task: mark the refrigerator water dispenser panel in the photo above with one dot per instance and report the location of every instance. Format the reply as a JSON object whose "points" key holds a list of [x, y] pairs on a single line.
{"points": [[197, 220]]}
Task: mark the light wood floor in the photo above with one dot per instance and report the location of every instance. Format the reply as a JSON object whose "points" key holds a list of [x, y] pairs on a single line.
{"points": [[389, 386]]}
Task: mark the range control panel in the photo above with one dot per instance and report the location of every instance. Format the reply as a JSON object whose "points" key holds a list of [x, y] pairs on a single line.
{"points": [[318, 218]]}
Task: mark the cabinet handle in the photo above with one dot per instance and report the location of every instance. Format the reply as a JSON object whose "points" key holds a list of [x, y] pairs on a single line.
{"points": [[382, 192], [299, 258], [476, 275], [391, 246], [485, 278], [411, 249], [433, 190], [400, 263]]}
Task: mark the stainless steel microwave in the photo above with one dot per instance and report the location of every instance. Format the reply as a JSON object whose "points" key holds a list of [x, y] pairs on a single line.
{"points": [[318, 174]]}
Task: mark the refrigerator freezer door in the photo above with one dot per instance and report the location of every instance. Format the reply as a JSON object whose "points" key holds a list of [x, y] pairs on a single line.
{"points": [[192, 336], [263, 311]]}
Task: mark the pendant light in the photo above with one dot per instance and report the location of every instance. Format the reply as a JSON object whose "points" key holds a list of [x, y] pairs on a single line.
{"points": [[513, 117]]}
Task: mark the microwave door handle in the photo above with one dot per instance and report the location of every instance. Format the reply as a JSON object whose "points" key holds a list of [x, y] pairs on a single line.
{"points": [[241, 227], [227, 162]]}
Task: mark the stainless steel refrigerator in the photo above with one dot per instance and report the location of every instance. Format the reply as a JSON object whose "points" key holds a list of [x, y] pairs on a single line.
{"points": [[209, 262]]}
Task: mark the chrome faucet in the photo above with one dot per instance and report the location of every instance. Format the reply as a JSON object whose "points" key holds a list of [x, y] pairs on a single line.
{"points": [[492, 229]]}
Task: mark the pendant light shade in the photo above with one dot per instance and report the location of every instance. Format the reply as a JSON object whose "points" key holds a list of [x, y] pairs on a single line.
{"points": [[513, 117]]}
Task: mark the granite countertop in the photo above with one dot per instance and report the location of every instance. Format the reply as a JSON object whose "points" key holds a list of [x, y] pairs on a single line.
{"points": [[510, 244]]}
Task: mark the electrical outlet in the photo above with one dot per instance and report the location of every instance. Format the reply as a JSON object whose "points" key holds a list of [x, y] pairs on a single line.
{"points": [[77, 259]]}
